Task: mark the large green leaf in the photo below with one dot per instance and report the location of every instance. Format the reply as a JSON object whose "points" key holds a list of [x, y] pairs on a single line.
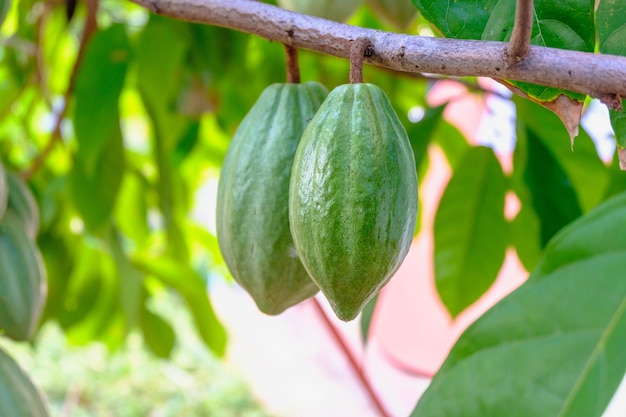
{"points": [[98, 86], [559, 24], [130, 280], [586, 172], [470, 230], [192, 288], [612, 40], [18, 395], [533, 356], [99, 162], [157, 333], [422, 132], [552, 195]]}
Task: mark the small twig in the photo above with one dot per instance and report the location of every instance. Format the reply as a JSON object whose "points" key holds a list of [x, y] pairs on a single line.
{"points": [[358, 51], [91, 26], [352, 360], [293, 68], [519, 44]]}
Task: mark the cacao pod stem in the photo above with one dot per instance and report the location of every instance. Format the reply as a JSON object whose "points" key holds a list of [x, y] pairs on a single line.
{"points": [[293, 68], [360, 48]]}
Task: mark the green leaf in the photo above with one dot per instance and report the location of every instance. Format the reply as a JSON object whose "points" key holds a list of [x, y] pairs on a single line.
{"points": [[5, 5], [470, 230], [157, 333], [451, 141], [532, 356], [94, 191], [558, 24], [552, 195], [98, 86], [192, 288], [18, 395], [366, 317], [582, 165], [612, 40], [598, 232], [422, 132], [525, 235], [99, 163], [130, 281]]}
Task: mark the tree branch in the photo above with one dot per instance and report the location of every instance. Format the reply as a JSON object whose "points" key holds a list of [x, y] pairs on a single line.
{"points": [[519, 44], [583, 72]]}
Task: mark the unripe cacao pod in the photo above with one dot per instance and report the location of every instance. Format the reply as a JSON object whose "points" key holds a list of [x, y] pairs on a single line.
{"points": [[23, 284], [328, 9], [22, 202], [353, 196], [253, 195], [18, 396]]}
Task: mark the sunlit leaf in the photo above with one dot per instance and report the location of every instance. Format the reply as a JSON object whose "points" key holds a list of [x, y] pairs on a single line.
{"points": [[532, 356], [192, 288], [96, 115], [130, 281], [157, 333], [470, 230]]}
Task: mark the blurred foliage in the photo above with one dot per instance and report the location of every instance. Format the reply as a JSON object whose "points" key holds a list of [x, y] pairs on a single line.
{"points": [[92, 382]]}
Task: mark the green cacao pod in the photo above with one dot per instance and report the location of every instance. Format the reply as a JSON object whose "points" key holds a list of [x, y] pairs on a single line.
{"points": [[23, 285], [338, 10], [353, 196], [398, 13], [18, 396], [22, 202], [253, 196]]}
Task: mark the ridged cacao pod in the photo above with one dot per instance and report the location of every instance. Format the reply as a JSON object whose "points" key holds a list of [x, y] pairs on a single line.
{"points": [[18, 396], [23, 284], [253, 194], [353, 196], [22, 202]]}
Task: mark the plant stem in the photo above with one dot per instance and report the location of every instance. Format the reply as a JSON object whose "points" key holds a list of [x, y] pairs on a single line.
{"points": [[358, 51], [91, 27], [293, 68], [352, 360], [519, 44]]}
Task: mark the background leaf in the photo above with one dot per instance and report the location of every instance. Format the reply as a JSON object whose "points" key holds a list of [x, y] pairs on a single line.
{"points": [[470, 230], [612, 40], [564, 356]]}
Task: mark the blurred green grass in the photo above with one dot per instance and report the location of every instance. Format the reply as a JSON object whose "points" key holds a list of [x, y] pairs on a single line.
{"points": [[90, 381]]}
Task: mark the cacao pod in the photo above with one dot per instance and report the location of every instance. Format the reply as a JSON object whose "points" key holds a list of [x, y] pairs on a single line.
{"points": [[253, 194], [327, 9], [398, 13], [23, 285], [22, 202], [353, 196], [18, 396]]}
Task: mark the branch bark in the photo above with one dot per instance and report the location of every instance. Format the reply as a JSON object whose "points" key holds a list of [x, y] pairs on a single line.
{"points": [[593, 74]]}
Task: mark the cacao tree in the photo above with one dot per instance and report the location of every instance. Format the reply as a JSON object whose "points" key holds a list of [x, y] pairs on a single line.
{"points": [[114, 114]]}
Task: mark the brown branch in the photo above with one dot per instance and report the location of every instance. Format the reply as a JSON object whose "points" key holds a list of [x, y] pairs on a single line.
{"points": [[519, 44], [91, 26], [293, 68], [351, 359], [582, 72]]}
